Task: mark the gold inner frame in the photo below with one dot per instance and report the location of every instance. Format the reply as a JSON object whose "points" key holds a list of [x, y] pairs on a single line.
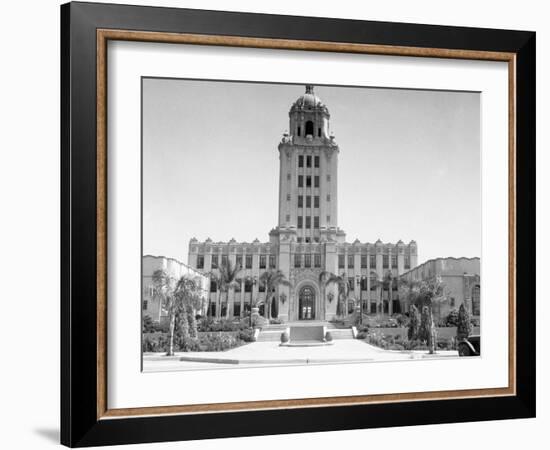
{"points": [[104, 35]]}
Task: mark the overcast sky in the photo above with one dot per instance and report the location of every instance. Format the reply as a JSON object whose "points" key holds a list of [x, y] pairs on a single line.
{"points": [[409, 164]]}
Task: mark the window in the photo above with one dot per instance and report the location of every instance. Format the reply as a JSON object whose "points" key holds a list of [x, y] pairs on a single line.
{"points": [[351, 283], [317, 260], [308, 201], [300, 181], [272, 261], [224, 260], [308, 222], [261, 287], [300, 222], [288, 176], [299, 131], [385, 261], [200, 262], [308, 240], [248, 286], [144, 304], [307, 260], [287, 217], [328, 197], [297, 260], [407, 262], [309, 128], [316, 180], [315, 239], [328, 177], [316, 158], [239, 260], [237, 286], [300, 160], [308, 161], [213, 286], [249, 261], [308, 181], [373, 282], [372, 261], [341, 261], [300, 201], [214, 261], [476, 305], [237, 310], [316, 222], [328, 219], [350, 261], [452, 302], [318, 134], [299, 240], [364, 284], [394, 261], [287, 197], [316, 201], [262, 261], [363, 261]]}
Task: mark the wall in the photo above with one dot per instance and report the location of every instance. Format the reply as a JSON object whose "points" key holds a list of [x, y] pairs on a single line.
{"points": [[29, 189]]}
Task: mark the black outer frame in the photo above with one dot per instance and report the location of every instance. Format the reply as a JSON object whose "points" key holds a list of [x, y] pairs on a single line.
{"points": [[79, 424]]}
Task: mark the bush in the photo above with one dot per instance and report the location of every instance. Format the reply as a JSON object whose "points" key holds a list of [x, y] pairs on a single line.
{"points": [[363, 328], [362, 335], [464, 326], [414, 323], [415, 344], [154, 342], [328, 336], [217, 342], [284, 337], [275, 321], [209, 324], [402, 320], [475, 322], [147, 325], [246, 335]]}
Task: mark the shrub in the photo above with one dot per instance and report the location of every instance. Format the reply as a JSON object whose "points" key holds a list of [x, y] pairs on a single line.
{"points": [[217, 342], [424, 328], [275, 321], [147, 325], [415, 344], [452, 318], [209, 324], [246, 335], [363, 327], [328, 336], [154, 342], [402, 320], [362, 335], [284, 337], [475, 322]]}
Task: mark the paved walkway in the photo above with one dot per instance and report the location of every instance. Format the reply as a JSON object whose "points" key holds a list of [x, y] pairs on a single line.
{"points": [[270, 353]]}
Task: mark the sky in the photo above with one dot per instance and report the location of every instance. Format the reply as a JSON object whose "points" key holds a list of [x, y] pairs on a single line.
{"points": [[408, 167]]}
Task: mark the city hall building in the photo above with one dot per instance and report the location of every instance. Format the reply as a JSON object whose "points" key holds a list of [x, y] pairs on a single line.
{"points": [[307, 239]]}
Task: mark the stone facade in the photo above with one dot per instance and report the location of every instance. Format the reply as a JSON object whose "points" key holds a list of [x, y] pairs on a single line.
{"points": [[151, 305], [307, 239], [461, 279]]}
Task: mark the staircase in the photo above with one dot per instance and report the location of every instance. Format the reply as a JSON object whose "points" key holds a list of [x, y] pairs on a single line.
{"points": [[303, 331]]}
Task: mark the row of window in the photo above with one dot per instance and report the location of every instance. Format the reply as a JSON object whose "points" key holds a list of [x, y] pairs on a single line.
{"points": [[247, 286], [238, 261], [308, 222], [308, 159], [372, 261], [307, 260], [307, 179]]}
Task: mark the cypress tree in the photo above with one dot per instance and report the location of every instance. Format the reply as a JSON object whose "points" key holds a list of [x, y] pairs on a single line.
{"points": [[464, 326], [424, 329], [414, 323]]}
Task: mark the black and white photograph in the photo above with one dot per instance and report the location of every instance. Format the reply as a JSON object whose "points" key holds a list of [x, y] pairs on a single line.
{"points": [[299, 224]]}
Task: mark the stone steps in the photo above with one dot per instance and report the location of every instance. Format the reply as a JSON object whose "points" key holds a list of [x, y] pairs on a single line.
{"points": [[308, 331]]}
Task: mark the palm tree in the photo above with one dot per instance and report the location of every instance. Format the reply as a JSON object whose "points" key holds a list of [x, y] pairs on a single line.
{"points": [[378, 282], [226, 278], [175, 296], [271, 280], [329, 278]]}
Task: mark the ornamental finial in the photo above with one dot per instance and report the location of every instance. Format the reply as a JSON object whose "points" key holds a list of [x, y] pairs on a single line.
{"points": [[309, 89]]}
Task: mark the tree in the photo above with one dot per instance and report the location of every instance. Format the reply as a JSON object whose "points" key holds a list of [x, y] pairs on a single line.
{"points": [[164, 288], [340, 281], [271, 280], [464, 325], [388, 281], [424, 328], [414, 323], [227, 277]]}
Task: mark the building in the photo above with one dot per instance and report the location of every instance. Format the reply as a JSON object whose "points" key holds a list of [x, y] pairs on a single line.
{"points": [[151, 304], [307, 239], [461, 280]]}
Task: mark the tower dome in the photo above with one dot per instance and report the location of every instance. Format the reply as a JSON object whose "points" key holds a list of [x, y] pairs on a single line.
{"points": [[308, 101]]}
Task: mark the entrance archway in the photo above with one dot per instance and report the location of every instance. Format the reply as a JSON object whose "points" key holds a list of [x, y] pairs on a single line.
{"points": [[306, 304]]}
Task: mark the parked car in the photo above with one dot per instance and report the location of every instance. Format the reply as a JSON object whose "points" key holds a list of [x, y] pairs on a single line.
{"points": [[470, 346]]}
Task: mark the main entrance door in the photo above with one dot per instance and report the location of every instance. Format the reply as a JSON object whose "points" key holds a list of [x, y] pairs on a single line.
{"points": [[306, 304]]}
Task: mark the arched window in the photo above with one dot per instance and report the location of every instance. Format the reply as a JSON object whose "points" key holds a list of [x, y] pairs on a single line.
{"points": [[309, 128], [475, 300], [299, 131]]}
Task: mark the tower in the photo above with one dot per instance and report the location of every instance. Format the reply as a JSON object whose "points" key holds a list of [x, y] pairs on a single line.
{"points": [[308, 161]]}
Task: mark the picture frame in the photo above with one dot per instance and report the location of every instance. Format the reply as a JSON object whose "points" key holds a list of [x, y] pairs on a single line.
{"points": [[86, 418]]}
